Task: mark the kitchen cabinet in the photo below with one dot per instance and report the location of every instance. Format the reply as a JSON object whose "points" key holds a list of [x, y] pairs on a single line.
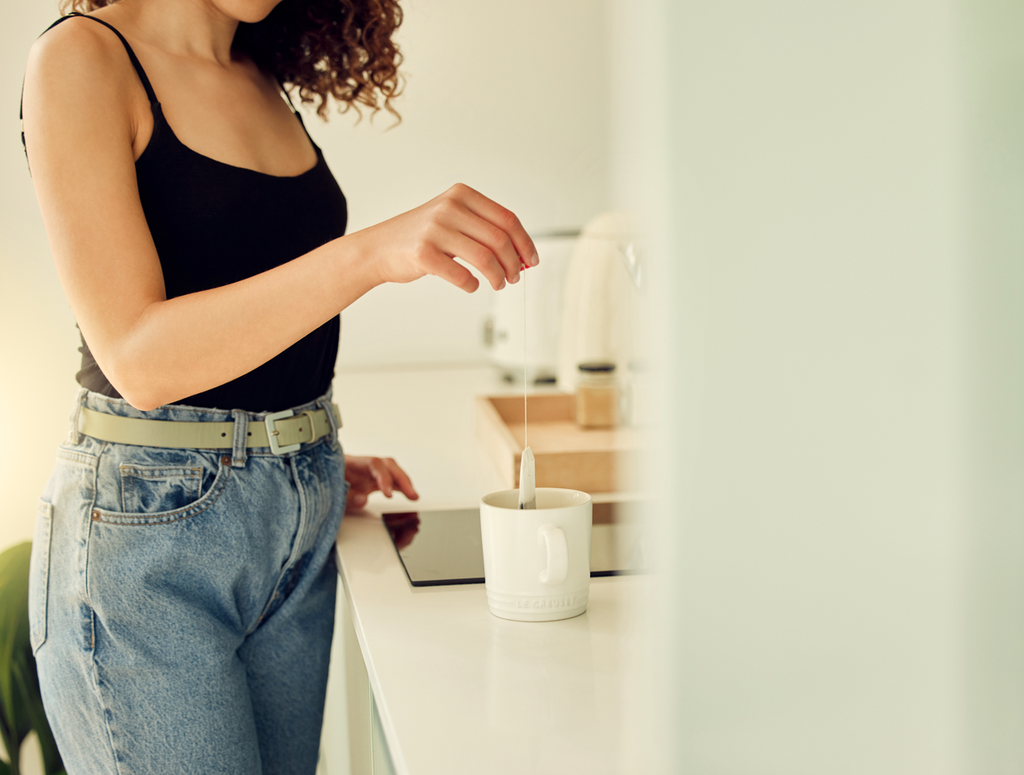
{"points": [[368, 751], [380, 756]]}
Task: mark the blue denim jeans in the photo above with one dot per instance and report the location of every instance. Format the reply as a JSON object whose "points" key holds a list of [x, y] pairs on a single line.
{"points": [[181, 601]]}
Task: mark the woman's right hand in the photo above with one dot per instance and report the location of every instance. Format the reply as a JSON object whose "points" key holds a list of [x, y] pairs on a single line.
{"points": [[460, 222]]}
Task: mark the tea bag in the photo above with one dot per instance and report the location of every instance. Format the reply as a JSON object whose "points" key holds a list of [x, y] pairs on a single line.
{"points": [[527, 481], [527, 466]]}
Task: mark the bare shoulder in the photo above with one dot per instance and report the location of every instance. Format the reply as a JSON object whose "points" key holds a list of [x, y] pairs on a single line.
{"points": [[78, 48], [78, 68]]}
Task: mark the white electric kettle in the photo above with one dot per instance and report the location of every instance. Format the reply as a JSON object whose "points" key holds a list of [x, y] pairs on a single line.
{"points": [[601, 306]]}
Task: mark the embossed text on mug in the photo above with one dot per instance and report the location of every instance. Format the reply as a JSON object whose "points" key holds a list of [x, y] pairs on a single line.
{"points": [[549, 602]]}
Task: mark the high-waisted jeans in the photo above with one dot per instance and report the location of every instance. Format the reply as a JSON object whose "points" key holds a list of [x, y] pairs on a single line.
{"points": [[182, 601]]}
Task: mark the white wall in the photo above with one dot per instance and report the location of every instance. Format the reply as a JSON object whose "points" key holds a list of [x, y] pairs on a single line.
{"points": [[508, 97], [993, 376], [844, 336], [38, 355]]}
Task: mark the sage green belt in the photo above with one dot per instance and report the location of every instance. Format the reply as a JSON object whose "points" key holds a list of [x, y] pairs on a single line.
{"points": [[281, 431]]}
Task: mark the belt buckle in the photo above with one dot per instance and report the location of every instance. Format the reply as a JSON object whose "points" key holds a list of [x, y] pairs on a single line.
{"points": [[273, 433]]}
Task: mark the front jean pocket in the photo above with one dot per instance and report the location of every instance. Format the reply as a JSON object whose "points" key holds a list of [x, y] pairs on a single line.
{"points": [[151, 489], [39, 576], [154, 495]]}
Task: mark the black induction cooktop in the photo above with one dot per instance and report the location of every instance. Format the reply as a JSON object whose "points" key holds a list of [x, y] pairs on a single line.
{"points": [[444, 547]]}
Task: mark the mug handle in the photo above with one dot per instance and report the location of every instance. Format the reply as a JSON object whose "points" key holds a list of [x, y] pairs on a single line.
{"points": [[558, 554]]}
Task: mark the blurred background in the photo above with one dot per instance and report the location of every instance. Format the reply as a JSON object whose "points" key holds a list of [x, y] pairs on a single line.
{"points": [[831, 199]]}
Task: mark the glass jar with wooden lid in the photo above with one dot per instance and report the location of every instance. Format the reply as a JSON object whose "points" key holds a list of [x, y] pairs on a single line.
{"points": [[597, 395]]}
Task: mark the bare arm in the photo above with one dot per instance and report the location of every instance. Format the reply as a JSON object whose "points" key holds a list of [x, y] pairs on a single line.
{"points": [[82, 109]]}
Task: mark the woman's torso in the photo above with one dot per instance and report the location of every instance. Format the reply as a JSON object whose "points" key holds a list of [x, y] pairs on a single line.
{"points": [[214, 223]]}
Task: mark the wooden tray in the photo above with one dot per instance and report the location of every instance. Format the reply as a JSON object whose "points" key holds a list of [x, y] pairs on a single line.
{"points": [[591, 460]]}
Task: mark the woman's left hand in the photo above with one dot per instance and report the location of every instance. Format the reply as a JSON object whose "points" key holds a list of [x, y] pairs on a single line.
{"points": [[366, 475]]}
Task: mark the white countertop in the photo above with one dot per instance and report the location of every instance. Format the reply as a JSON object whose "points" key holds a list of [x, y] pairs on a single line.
{"points": [[457, 689], [461, 691]]}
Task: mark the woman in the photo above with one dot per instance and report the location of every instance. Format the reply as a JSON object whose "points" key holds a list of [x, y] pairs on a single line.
{"points": [[183, 585]]}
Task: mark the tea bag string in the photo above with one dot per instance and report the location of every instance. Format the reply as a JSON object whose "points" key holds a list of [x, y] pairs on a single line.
{"points": [[526, 405]]}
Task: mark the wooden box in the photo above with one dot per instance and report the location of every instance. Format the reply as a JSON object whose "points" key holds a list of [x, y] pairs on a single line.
{"points": [[591, 460]]}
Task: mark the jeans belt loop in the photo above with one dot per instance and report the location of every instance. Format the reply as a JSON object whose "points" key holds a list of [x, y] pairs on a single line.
{"points": [[74, 437], [241, 437], [332, 421]]}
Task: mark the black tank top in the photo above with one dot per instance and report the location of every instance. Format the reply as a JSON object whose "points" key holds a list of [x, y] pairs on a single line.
{"points": [[215, 224]]}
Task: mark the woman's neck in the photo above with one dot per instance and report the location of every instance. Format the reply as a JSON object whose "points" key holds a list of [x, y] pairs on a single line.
{"points": [[197, 29]]}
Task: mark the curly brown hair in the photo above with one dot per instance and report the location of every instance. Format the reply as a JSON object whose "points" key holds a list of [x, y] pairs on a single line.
{"points": [[324, 48]]}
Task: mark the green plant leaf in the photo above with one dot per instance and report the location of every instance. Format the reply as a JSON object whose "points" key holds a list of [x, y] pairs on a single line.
{"points": [[11, 745], [14, 629], [5, 736], [23, 700], [52, 763], [21, 706]]}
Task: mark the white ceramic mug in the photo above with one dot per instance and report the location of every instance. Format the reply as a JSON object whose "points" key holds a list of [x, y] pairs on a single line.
{"points": [[537, 561]]}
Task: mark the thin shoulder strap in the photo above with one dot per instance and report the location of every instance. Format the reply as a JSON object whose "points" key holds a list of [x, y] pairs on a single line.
{"points": [[131, 55], [295, 112], [287, 96]]}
